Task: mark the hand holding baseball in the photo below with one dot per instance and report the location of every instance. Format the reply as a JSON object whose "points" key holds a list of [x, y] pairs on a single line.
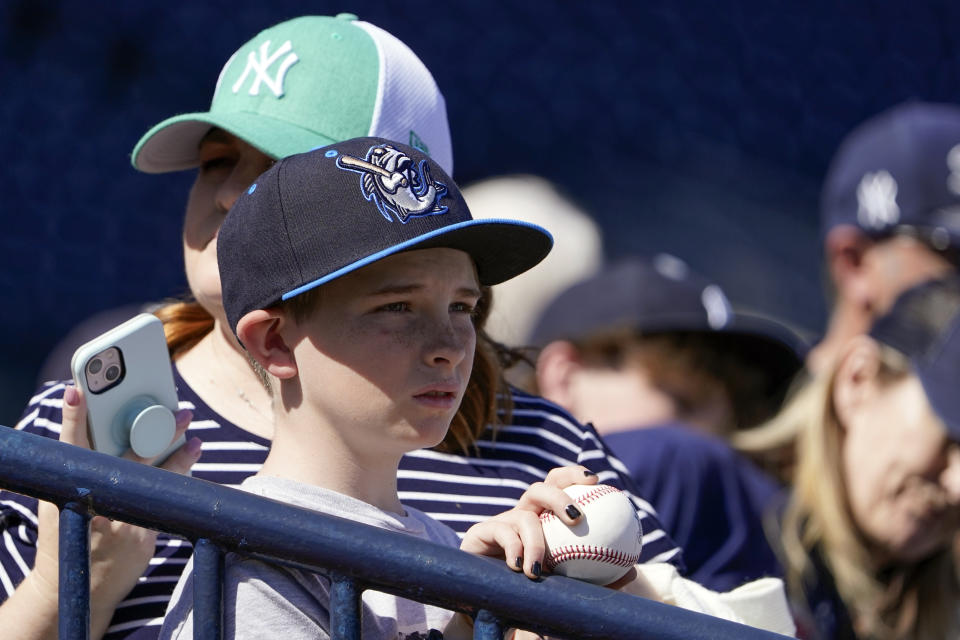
{"points": [[603, 545], [516, 535]]}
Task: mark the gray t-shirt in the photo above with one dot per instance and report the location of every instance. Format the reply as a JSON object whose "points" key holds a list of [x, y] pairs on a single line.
{"points": [[263, 600]]}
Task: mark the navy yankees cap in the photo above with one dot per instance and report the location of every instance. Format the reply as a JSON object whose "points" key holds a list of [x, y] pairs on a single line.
{"points": [[899, 172], [316, 216], [924, 325], [663, 295]]}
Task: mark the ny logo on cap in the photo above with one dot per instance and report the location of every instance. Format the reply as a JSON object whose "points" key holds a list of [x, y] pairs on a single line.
{"points": [[953, 162], [260, 66], [877, 200], [717, 306]]}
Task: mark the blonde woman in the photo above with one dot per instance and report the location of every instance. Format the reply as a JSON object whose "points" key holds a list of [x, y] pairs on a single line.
{"points": [[865, 536]]}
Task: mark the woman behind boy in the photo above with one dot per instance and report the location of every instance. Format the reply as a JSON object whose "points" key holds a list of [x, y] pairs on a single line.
{"points": [[349, 79]]}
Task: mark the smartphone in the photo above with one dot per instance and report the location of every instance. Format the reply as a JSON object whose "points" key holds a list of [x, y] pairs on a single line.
{"points": [[127, 381]]}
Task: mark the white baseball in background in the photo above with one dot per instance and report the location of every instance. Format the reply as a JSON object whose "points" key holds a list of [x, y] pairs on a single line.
{"points": [[604, 543]]}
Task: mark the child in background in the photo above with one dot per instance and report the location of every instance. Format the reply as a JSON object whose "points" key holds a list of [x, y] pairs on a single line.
{"points": [[647, 341]]}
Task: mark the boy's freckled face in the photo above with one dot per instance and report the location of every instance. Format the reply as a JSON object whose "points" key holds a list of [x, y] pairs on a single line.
{"points": [[386, 357]]}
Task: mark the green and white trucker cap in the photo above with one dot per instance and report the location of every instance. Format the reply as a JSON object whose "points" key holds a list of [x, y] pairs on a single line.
{"points": [[306, 83]]}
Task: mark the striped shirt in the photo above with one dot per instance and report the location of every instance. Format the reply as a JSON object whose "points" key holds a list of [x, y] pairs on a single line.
{"points": [[454, 489]]}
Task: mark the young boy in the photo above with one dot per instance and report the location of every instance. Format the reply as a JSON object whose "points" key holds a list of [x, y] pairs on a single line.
{"points": [[353, 275]]}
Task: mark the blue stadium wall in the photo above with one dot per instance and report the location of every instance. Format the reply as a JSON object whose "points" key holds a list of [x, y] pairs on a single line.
{"points": [[695, 127]]}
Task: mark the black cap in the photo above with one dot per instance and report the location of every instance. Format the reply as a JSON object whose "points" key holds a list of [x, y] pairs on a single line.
{"points": [[924, 325], [663, 295], [899, 172], [316, 216]]}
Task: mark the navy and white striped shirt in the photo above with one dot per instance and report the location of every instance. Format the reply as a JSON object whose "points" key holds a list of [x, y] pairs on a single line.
{"points": [[456, 490]]}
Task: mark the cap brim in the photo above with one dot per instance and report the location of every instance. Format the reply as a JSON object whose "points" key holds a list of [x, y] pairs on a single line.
{"points": [[767, 342], [772, 332], [938, 375], [501, 249], [938, 233], [780, 342], [174, 144]]}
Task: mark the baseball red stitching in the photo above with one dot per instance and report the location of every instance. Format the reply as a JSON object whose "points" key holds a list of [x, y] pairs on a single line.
{"points": [[589, 552], [598, 492]]}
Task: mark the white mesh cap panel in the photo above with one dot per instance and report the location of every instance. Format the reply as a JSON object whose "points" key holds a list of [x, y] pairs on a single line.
{"points": [[409, 104]]}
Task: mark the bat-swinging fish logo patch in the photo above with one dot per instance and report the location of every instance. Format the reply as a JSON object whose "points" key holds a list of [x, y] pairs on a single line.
{"points": [[398, 186]]}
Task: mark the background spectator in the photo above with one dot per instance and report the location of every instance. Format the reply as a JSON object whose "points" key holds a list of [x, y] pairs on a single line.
{"points": [[656, 357], [650, 341], [867, 535], [890, 215], [890, 218]]}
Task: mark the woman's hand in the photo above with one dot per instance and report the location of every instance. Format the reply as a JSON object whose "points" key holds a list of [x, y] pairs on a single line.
{"points": [[119, 552], [516, 535]]}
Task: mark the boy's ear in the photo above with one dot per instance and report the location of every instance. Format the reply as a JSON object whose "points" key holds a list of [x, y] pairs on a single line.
{"points": [[261, 333], [556, 366]]}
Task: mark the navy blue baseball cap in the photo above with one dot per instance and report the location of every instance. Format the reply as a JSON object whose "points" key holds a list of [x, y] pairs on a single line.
{"points": [[664, 295], [316, 216], [924, 325], [899, 172]]}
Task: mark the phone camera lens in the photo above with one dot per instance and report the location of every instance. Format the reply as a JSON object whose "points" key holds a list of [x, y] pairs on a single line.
{"points": [[112, 373], [95, 365]]}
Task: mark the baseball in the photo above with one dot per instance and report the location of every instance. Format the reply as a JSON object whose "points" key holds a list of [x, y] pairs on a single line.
{"points": [[603, 545]]}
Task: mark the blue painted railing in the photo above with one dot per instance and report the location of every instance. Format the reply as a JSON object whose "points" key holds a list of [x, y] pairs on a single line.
{"points": [[218, 519]]}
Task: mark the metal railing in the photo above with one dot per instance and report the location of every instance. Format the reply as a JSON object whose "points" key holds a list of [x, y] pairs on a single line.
{"points": [[357, 556]]}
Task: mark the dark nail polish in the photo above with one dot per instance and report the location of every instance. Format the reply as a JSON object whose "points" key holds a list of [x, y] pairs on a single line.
{"points": [[194, 446], [518, 563], [536, 569], [589, 473], [572, 511]]}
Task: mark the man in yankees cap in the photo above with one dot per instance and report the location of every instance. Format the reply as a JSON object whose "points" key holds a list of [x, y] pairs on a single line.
{"points": [[890, 215]]}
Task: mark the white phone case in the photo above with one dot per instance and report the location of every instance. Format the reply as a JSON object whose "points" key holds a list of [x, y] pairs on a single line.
{"points": [[136, 412]]}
